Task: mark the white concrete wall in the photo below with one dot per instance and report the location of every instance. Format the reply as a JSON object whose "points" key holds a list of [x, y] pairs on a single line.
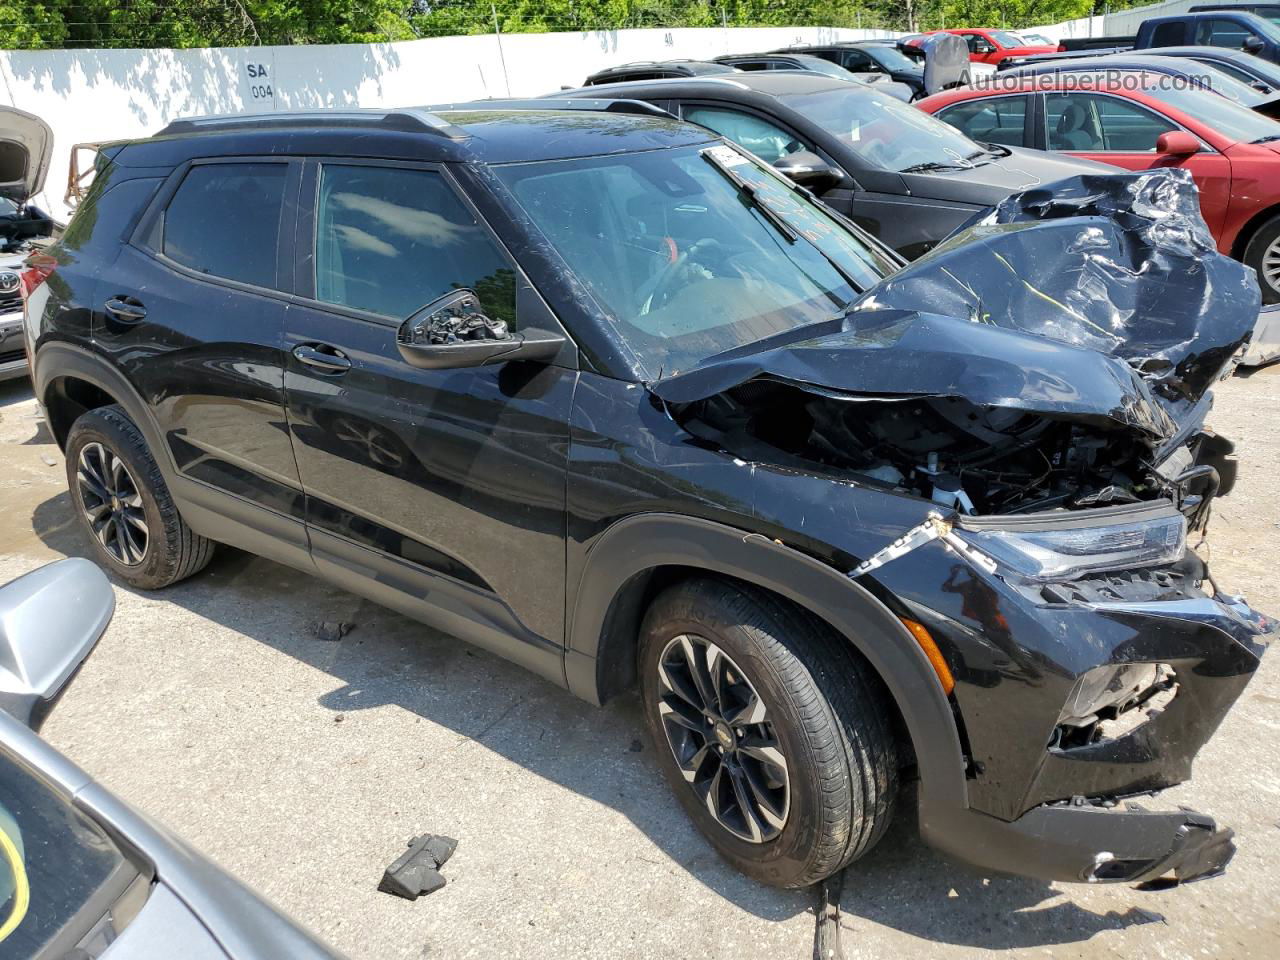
{"points": [[1084, 27], [94, 95]]}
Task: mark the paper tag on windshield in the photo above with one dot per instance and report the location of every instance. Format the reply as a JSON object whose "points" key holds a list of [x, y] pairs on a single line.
{"points": [[727, 156]]}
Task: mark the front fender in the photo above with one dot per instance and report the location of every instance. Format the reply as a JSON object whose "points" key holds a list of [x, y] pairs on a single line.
{"points": [[647, 542]]}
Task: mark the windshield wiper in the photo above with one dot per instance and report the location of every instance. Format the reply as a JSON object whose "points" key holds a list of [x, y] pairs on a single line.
{"points": [[1270, 138], [752, 193], [932, 165]]}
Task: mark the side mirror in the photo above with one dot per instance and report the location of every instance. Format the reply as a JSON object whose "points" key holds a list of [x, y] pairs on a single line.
{"points": [[50, 620], [1253, 45], [1178, 143], [453, 332], [809, 170]]}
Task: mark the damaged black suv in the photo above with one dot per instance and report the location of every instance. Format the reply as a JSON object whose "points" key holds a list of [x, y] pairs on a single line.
{"points": [[602, 393]]}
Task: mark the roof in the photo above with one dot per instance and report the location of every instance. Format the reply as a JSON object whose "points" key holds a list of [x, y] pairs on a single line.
{"points": [[768, 82], [781, 54], [1217, 53], [482, 132], [689, 67], [1127, 61]]}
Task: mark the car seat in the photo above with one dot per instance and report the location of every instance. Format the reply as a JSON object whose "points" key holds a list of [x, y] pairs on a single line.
{"points": [[1071, 132]]}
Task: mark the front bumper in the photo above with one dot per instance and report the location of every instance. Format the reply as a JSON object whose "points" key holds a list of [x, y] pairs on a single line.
{"points": [[1038, 807], [13, 358], [1086, 842]]}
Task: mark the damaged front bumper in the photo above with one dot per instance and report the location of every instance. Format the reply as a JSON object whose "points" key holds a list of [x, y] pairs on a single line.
{"points": [[1082, 841], [1065, 810]]}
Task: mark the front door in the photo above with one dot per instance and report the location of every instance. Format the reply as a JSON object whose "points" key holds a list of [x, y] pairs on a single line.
{"points": [[438, 492], [1112, 129]]}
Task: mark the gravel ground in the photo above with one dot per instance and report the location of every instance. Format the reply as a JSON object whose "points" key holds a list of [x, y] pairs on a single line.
{"points": [[303, 766]]}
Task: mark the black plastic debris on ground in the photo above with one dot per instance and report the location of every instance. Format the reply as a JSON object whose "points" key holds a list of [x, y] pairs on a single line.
{"points": [[417, 871], [333, 630]]}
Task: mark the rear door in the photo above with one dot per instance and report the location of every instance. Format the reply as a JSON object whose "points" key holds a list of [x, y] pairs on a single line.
{"points": [[193, 315], [1116, 130], [438, 492]]}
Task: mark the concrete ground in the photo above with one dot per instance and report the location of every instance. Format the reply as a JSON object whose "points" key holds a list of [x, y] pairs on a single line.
{"points": [[304, 765]]}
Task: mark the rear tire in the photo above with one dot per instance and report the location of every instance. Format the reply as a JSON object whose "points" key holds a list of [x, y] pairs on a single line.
{"points": [[798, 726], [1263, 254], [124, 506]]}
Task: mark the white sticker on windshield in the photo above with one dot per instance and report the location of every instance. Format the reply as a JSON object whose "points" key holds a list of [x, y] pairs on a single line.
{"points": [[727, 156]]}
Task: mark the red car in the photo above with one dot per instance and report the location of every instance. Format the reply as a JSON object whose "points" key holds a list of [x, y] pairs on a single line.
{"points": [[992, 46], [1141, 121]]}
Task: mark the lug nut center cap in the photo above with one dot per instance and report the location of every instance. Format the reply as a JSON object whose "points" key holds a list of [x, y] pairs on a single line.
{"points": [[724, 735]]}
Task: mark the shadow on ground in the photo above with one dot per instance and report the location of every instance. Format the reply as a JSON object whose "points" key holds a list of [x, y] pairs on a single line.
{"points": [[388, 659]]}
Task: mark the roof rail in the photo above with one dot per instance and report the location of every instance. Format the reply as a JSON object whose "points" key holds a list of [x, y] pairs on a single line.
{"points": [[599, 105], [409, 119]]}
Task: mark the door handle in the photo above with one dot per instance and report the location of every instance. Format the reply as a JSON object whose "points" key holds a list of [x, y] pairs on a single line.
{"points": [[325, 358], [125, 308]]}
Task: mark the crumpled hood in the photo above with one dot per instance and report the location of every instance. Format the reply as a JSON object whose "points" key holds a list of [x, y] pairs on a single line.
{"points": [[1100, 298]]}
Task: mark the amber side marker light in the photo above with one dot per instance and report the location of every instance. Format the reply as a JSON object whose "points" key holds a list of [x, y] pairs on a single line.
{"points": [[931, 651]]}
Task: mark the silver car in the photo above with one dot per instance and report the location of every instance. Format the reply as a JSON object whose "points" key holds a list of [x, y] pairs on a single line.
{"points": [[82, 874]]}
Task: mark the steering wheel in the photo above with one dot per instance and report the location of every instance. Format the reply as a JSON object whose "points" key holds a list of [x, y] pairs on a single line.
{"points": [[676, 274]]}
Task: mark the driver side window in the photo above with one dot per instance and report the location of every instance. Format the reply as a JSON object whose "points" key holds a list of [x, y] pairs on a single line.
{"points": [[768, 142], [389, 240], [1093, 123], [1221, 33], [990, 119], [858, 62]]}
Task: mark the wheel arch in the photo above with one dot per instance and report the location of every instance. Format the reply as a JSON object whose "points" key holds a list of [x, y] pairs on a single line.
{"points": [[1250, 229], [70, 380], [636, 557]]}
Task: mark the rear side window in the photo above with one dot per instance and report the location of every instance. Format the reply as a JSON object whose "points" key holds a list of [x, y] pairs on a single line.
{"points": [[224, 220], [390, 240], [1169, 34]]}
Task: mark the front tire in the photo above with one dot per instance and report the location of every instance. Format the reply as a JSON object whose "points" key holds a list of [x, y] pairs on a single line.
{"points": [[124, 506], [1263, 254], [774, 734]]}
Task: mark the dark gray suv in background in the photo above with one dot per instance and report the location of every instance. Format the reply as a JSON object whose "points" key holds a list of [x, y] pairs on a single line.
{"points": [[902, 175]]}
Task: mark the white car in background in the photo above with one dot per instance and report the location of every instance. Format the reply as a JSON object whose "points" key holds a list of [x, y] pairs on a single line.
{"points": [[26, 143]]}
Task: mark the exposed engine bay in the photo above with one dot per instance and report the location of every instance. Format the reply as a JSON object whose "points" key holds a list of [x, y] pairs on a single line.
{"points": [[979, 460], [20, 226], [1055, 354]]}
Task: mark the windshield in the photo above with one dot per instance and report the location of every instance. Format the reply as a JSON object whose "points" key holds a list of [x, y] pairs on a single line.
{"points": [[825, 67], [1226, 117], [1006, 39], [694, 251], [884, 131], [53, 861], [891, 58]]}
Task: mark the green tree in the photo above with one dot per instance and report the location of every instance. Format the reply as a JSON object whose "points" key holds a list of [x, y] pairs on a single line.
{"points": [[44, 24]]}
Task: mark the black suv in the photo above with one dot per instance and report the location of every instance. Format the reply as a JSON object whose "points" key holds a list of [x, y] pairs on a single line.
{"points": [[862, 56], [602, 393], [898, 172]]}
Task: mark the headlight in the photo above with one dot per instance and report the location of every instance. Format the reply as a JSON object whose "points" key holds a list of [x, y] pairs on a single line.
{"points": [[1113, 685], [1063, 552]]}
